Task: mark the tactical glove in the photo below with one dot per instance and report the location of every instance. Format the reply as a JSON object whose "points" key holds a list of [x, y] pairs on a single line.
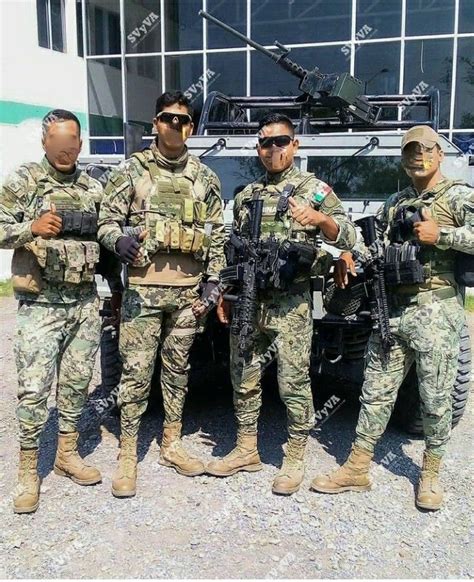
{"points": [[127, 248]]}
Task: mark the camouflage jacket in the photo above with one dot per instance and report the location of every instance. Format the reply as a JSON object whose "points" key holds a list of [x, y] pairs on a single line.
{"points": [[308, 191], [120, 193], [18, 209], [451, 204]]}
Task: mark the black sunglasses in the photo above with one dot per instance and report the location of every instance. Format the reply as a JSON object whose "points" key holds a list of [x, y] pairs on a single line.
{"points": [[280, 141], [173, 118]]}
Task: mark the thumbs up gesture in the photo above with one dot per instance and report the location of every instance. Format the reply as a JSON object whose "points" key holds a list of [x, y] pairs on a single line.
{"points": [[48, 225], [426, 231]]}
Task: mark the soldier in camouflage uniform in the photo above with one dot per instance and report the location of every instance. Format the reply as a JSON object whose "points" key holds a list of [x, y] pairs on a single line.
{"points": [[48, 215], [425, 318], [284, 324], [175, 201]]}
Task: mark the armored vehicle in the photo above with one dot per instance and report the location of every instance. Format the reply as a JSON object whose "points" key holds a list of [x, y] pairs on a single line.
{"points": [[352, 142]]}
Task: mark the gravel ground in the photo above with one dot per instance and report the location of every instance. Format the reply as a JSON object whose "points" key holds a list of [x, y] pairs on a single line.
{"points": [[214, 528]]}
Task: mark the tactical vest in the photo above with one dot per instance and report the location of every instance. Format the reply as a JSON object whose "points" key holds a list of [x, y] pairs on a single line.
{"points": [[276, 224], [438, 265], [70, 257], [172, 209]]}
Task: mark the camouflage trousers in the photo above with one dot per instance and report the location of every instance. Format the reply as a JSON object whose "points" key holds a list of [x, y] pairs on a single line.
{"points": [[171, 323], [54, 338], [427, 335], [283, 331]]}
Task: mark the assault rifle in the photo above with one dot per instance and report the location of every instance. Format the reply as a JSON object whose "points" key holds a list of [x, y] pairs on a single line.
{"points": [[246, 274], [377, 290]]}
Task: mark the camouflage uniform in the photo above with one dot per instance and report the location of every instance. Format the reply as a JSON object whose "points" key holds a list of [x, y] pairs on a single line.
{"points": [[158, 298], [59, 327], [284, 325], [426, 321]]}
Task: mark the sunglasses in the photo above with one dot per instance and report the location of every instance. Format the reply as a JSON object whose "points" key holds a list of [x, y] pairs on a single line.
{"points": [[174, 118], [280, 141]]}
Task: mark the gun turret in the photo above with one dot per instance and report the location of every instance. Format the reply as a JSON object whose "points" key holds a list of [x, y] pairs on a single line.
{"points": [[338, 91]]}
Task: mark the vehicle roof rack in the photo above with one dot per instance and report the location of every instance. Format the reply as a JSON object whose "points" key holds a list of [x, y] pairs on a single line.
{"points": [[224, 115]]}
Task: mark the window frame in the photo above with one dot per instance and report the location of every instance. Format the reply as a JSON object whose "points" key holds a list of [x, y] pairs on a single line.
{"points": [[49, 27]]}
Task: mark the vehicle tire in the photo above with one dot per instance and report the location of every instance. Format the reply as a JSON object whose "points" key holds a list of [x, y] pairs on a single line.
{"points": [[407, 414], [332, 373]]}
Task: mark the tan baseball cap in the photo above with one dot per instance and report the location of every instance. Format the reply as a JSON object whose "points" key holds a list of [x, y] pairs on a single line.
{"points": [[422, 134]]}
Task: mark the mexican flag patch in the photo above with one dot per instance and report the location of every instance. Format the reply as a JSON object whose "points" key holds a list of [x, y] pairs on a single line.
{"points": [[318, 197]]}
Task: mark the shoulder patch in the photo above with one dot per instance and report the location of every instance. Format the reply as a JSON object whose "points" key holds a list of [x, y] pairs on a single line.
{"points": [[330, 200]]}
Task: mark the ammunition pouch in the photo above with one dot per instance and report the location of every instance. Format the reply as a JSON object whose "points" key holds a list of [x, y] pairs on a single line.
{"points": [[77, 222], [464, 269], [176, 226], [300, 253], [68, 261], [402, 265]]}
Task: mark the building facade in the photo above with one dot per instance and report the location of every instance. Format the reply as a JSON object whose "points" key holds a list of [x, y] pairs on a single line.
{"points": [[137, 48], [108, 60]]}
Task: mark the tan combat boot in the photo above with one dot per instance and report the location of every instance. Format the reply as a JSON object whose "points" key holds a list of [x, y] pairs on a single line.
{"points": [[68, 463], [352, 476], [124, 483], [173, 454], [291, 474], [26, 497], [430, 493], [244, 457]]}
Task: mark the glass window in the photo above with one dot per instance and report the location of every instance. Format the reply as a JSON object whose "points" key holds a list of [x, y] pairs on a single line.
{"points": [[226, 72], [43, 23], [364, 177], [105, 147], [234, 173], [185, 73], [378, 65], [183, 26], [233, 13], [142, 26], [463, 109], [57, 25], [466, 16], [105, 97], [143, 88], [50, 19], [428, 65], [378, 18], [298, 21], [430, 17], [465, 142], [79, 29], [103, 19], [269, 79]]}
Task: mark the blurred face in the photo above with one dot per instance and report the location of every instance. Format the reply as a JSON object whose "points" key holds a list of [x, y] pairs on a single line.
{"points": [[62, 145], [421, 162], [276, 147], [173, 126]]}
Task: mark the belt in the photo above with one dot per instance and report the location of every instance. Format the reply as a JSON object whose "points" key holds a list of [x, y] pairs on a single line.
{"points": [[423, 298]]}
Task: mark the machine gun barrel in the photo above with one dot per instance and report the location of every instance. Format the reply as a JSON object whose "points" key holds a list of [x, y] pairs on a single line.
{"points": [[281, 58], [341, 92]]}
